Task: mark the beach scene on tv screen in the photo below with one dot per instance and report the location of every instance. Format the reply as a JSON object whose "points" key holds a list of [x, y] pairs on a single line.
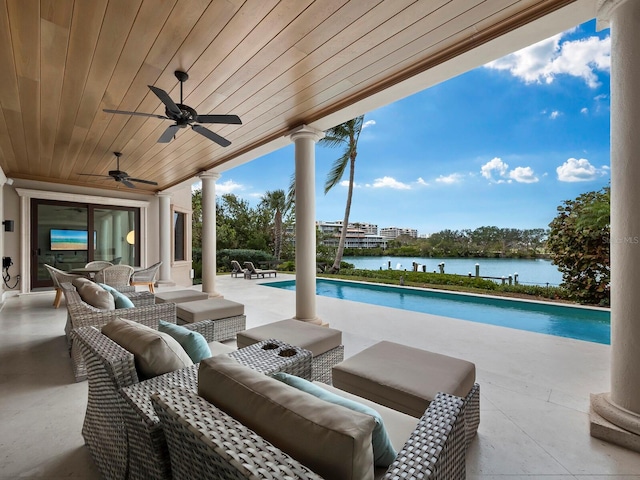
{"points": [[69, 239]]}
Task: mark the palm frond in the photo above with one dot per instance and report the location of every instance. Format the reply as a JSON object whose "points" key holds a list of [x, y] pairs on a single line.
{"points": [[337, 170], [291, 196]]}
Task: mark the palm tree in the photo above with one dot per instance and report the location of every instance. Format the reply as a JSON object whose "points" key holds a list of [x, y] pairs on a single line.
{"points": [[276, 201], [344, 135]]}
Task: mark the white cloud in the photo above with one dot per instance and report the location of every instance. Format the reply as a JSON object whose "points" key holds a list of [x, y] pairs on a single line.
{"points": [[545, 60], [494, 165], [368, 123], [421, 181], [449, 179], [390, 182], [574, 170], [523, 175], [555, 114], [228, 187], [345, 183], [497, 171], [584, 111]]}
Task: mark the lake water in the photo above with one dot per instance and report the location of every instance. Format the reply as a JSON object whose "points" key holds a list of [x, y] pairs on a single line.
{"points": [[530, 271]]}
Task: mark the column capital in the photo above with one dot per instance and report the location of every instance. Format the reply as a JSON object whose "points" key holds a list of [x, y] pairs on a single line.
{"points": [[604, 11], [163, 194], [304, 131], [209, 175]]}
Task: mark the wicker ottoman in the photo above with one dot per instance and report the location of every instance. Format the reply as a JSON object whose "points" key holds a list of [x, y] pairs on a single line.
{"points": [[180, 296], [226, 317], [407, 379], [325, 344]]}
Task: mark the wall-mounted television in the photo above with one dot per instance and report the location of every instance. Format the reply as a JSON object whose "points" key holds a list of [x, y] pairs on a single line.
{"points": [[69, 239]]}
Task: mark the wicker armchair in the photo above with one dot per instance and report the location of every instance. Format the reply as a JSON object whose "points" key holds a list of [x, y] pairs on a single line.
{"points": [[146, 276], [59, 277], [81, 314], [205, 442], [98, 264], [115, 275]]}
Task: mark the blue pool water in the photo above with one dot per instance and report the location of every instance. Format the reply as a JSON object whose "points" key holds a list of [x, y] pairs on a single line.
{"points": [[587, 324]]}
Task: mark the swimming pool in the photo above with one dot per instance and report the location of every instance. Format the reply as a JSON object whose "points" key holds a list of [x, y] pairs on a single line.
{"points": [[592, 325]]}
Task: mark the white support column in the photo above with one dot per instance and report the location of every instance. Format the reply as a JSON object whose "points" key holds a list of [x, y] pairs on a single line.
{"points": [[164, 238], [209, 233], [305, 139], [615, 416]]}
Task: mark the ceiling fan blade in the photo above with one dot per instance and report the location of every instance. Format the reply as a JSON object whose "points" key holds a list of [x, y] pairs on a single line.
{"points": [[123, 112], [127, 183], [166, 99], [230, 119], [94, 175], [211, 136], [168, 134], [148, 182]]}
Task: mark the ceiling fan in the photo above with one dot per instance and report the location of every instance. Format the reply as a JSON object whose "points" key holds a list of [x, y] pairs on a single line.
{"points": [[183, 115], [120, 176]]}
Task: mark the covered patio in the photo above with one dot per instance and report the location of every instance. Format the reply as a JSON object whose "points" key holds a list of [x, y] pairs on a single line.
{"points": [[290, 70], [534, 397]]}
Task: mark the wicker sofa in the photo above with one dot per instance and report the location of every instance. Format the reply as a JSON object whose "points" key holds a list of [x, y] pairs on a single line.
{"points": [[206, 442], [81, 314]]}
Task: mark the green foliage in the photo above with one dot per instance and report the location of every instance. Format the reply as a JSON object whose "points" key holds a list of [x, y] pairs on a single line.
{"points": [[579, 246]]}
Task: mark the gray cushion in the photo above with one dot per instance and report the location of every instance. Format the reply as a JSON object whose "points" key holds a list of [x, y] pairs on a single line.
{"points": [[96, 296], [179, 296], [314, 338], [79, 281], [210, 309], [154, 352], [331, 440], [403, 378]]}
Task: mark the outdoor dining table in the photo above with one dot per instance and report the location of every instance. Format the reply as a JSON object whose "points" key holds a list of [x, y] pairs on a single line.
{"points": [[89, 272]]}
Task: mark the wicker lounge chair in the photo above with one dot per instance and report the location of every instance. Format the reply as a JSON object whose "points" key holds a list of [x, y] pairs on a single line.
{"points": [[252, 271], [237, 269], [59, 277], [205, 442], [146, 276], [115, 275], [81, 314]]}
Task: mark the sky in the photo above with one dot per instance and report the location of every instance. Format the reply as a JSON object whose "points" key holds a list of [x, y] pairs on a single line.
{"points": [[503, 145]]}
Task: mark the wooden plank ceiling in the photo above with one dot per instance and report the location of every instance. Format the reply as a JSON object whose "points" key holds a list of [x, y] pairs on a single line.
{"points": [[276, 64]]}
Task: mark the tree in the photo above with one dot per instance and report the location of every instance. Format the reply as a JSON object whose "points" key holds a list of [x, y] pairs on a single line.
{"points": [[345, 135], [275, 203], [579, 245]]}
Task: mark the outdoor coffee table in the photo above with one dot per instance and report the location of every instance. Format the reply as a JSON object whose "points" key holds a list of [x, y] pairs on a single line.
{"points": [[148, 456]]}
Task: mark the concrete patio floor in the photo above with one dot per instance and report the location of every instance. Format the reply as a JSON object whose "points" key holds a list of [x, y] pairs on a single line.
{"points": [[534, 388]]}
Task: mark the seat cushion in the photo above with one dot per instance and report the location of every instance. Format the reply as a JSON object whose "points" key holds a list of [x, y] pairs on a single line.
{"points": [[383, 452], [154, 352], [403, 378], [193, 343], [331, 440], [314, 338], [180, 296], [210, 309], [96, 296]]}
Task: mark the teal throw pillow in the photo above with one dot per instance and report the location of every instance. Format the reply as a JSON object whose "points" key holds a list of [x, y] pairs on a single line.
{"points": [[383, 452], [193, 343], [122, 301]]}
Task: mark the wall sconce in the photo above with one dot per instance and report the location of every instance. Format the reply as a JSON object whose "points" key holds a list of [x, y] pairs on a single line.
{"points": [[8, 225], [131, 237]]}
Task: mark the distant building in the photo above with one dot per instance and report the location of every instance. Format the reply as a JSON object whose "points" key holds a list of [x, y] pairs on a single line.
{"points": [[359, 235], [395, 232]]}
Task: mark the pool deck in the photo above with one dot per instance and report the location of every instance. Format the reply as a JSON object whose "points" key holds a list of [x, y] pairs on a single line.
{"points": [[534, 388]]}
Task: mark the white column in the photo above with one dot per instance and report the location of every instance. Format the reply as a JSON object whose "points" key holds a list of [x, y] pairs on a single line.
{"points": [[209, 232], [164, 238], [118, 237], [615, 416], [305, 139]]}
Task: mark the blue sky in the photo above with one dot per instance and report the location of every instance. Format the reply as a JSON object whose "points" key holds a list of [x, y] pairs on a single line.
{"points": [[501, 145]]}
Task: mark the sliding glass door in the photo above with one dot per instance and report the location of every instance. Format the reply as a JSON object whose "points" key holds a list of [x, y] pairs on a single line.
{"points": [[68, 235]]}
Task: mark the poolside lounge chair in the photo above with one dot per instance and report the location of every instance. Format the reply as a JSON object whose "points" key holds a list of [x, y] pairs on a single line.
{"points": [[237, 269], [252, 271]]}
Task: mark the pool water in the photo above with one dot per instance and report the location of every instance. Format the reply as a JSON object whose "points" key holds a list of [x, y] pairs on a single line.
{"points": [[589, 324]]}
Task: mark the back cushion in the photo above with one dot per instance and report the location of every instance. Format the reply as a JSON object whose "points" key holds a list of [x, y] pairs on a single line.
{"points": [[79, 281], [154, 352], [96, 296], [120, 299], [331, 440]]}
